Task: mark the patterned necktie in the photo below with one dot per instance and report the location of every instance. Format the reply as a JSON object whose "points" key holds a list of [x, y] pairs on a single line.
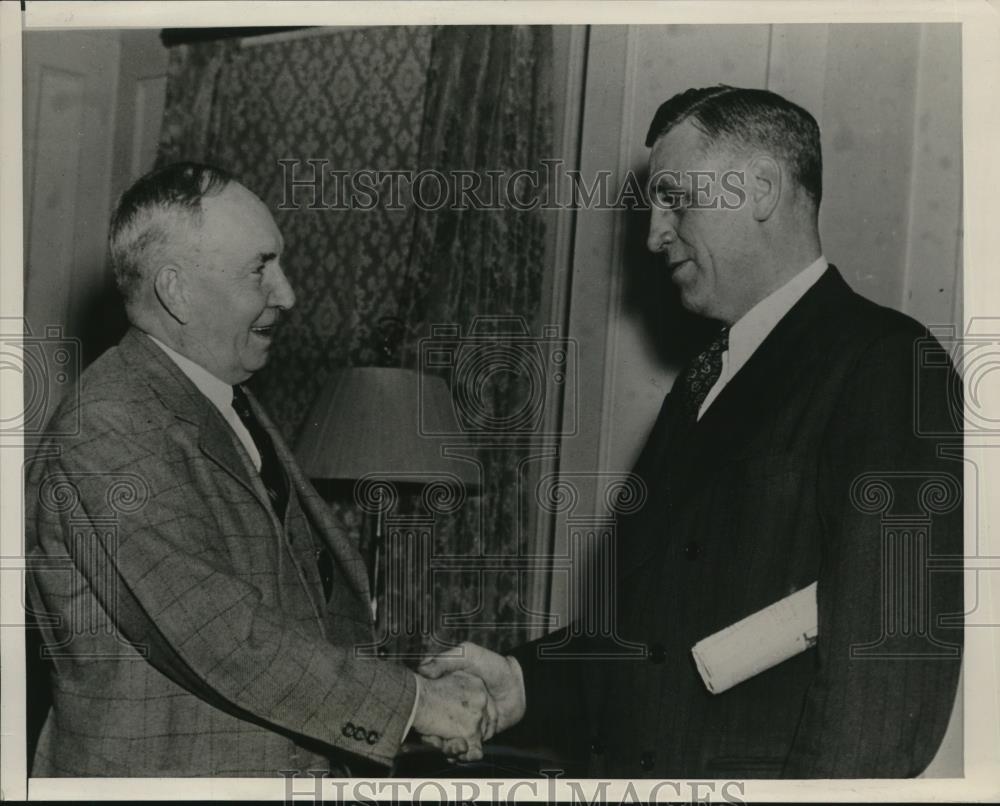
{"points": [[701, 375], [274, 478]]}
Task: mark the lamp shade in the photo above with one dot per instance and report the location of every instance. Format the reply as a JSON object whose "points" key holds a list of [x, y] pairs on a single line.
{"points": [[366, 422]]}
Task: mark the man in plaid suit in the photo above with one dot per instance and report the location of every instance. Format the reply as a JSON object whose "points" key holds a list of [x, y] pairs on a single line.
{"points": [[202, 611]]}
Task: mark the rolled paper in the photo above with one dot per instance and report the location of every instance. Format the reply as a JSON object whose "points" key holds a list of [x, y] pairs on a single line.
{"points": [[758, 642]]}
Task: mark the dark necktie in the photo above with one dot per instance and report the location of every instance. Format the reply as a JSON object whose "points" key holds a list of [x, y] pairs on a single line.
{"points": [[270, 468], [274, 478], [701, 375]]}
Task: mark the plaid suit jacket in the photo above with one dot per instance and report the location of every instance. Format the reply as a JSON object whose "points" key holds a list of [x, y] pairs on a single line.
{"points": [[186, 624]]}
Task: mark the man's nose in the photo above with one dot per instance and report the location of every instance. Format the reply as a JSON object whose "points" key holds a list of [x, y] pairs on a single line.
{"points": [[661, 231], [281, 293]]}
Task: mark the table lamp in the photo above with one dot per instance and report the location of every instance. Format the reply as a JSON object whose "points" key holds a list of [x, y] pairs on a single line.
{"points": [[365, 424]]}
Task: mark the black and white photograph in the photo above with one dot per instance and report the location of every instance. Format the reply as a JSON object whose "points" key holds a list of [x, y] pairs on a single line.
{"points": [[495, 402]]}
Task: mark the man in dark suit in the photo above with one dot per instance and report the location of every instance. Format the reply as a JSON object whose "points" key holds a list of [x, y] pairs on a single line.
{"points": [[788, 452], [203, 612]]}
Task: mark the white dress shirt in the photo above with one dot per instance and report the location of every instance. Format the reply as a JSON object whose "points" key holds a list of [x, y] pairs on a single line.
{"points": [[221, 395], [747, 334], [216, 390]]}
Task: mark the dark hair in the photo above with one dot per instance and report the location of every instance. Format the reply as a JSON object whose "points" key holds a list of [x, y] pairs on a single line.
{"points": [[750, 118], [142, 220]]}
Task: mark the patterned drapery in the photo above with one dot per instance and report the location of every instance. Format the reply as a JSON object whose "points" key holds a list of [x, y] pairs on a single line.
{"points": [[410, 98], [487, 109], [355, 99]]}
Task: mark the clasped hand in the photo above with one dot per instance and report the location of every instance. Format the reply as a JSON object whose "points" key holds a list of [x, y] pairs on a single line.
{"points": [[469, 693]]}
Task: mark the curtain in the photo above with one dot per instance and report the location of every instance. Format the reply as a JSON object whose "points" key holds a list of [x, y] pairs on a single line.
{"points": [[488, 108], [354, 98], [468, 98]]}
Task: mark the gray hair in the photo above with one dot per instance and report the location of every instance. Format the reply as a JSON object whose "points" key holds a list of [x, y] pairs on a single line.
{"points": [[144, 226]]}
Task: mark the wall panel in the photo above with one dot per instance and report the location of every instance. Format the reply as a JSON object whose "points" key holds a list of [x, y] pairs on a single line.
{"points": [[70, 85]]}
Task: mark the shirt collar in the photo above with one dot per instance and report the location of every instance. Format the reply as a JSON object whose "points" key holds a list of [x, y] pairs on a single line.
{"points": [[746, 335], [216, 390]]}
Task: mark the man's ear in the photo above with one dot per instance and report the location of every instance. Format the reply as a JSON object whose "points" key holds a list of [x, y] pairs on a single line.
{"points": [[172, 292], [765, 177]]}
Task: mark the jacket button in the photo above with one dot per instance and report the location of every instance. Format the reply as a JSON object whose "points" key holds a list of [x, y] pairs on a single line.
{"points": [[646, 761], [348, 730], [372, 737], [360, 733], [692, 551], [657, 653], [596, 746]]}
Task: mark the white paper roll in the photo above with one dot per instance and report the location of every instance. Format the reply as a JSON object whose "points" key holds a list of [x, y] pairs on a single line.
{"points": [[758, 642]]}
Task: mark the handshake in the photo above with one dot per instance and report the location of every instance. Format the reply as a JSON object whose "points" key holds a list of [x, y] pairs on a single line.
{"points": [[467, 694]]}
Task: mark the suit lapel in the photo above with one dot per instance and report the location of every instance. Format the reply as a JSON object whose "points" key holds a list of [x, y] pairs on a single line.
{"points": [[688, 453], [216, 440], [679, 455], [180, 396], [317, 510], [765, 378]]}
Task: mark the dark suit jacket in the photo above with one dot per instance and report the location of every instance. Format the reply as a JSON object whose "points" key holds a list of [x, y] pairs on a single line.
{"points": [[189, 626], [795, 473]]}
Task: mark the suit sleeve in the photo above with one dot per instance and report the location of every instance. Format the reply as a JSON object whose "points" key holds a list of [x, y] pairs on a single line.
{"points": [[562, 694], [887, 667], [167, 588], [557, 714]]}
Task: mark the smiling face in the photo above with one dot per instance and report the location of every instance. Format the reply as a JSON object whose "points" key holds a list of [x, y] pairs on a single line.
{"points": [[236, 287], [705, 247]]}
